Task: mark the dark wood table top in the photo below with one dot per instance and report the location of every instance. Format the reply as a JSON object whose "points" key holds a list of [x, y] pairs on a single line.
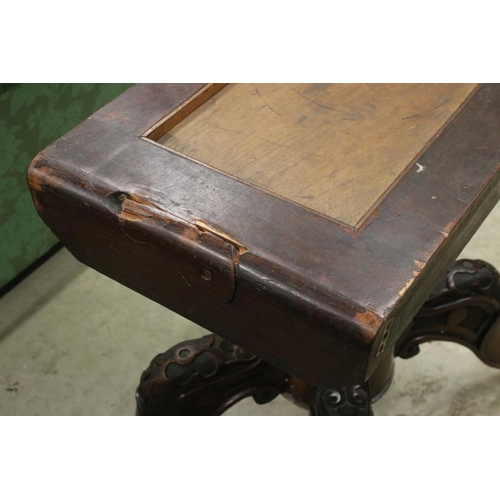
{"points": [[306, 223]]}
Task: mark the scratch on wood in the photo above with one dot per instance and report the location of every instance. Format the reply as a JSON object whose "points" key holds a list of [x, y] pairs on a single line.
{"points": [[419, 264], [313, 102], [411, 116], [180, 274], [369, 90], [130, 237], [273, 110], [428, 111], [266, 105]]}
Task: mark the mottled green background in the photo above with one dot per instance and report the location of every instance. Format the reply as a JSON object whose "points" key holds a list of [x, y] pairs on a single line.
{"points": [[31, 117]]}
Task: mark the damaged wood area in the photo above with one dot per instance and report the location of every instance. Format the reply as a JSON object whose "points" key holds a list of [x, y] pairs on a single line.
{"points": [[276, 275], [205, 261]]}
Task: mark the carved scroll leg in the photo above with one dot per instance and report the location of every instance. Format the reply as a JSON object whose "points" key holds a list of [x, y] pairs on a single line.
{"points": [[205, 377], [465, 310], [354, 400]]}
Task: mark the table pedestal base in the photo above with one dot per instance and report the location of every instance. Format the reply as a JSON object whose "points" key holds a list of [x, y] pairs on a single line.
{"points": [[209, 375]]}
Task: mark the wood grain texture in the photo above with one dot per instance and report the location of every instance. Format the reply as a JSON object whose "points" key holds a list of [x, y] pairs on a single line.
{"points": [[333, 148], [305, 293]]}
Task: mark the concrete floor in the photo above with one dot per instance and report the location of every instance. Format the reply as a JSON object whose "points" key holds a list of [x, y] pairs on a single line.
{"points": [[73, 342]]}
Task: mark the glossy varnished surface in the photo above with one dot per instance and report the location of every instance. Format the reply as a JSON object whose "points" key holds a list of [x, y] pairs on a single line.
{"points": [[333, 148]]}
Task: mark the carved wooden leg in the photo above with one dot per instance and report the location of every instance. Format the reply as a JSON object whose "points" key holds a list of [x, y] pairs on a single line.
{"points": [[209, 375], [205, 377], [354, 400], [465, 309]]}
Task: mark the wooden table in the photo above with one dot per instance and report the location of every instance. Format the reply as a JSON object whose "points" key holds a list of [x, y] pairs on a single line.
{"points": [[313, 227]]}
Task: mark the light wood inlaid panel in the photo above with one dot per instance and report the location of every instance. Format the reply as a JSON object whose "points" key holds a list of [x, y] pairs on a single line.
{"points": [[333, 148]]}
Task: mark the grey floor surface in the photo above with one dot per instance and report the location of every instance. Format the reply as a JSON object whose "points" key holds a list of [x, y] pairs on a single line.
{"points": [[73, 342]]}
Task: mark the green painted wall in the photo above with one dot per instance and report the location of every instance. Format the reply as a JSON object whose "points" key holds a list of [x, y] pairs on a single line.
{"points": [[31, 117]]}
